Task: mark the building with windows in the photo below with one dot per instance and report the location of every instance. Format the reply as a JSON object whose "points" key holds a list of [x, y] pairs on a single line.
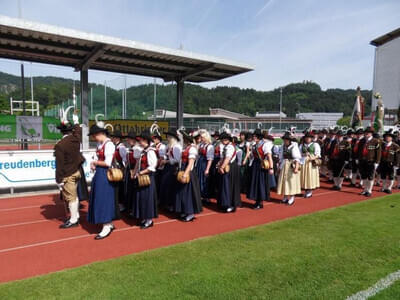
{"points": [[320, 120]]}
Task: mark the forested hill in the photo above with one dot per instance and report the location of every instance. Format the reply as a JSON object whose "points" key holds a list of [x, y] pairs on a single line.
{"points": [[303, 97]]}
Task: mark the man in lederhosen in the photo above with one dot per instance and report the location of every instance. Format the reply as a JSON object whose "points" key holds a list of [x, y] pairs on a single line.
{"points": [[355, 144], [339, 158], [389, 161], [369, 158], [68, 163]]}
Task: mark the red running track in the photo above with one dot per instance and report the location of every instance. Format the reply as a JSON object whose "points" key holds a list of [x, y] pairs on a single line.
{"points": [[32, 244]]}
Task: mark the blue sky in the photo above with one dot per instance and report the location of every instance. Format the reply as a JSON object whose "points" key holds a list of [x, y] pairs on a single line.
{"points": [[286, 40]]}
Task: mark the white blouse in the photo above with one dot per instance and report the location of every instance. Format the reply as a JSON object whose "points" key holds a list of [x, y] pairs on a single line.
{"points": [[209, 151], [174, 155], [122, 152], [162, 151], [151, 159], [230, 150]]}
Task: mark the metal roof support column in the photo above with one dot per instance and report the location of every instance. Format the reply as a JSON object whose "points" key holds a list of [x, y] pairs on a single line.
{"points": [[84, 108], [179, 103]]}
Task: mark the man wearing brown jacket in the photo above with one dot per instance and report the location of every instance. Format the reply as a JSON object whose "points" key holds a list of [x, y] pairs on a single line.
{"points": [[68, 162], [369, 159], [389, 162]]}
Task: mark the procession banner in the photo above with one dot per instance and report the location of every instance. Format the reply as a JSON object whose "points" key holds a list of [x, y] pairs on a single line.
{"points": [[34, 168]]}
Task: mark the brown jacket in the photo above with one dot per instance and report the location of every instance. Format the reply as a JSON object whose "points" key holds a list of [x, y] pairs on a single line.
{"points": [[68, 155], [370, 150], [391, 154]]}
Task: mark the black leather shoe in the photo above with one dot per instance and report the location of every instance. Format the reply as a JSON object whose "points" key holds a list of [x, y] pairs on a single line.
{"points": [[367, 194], [68, 224], [363, 193], [147, 225], [387, 191], [188, 219], [230, 209], [258, 206], [99, 237]]}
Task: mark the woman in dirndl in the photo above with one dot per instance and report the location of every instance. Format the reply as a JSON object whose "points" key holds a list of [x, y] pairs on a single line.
{"points": [[289, 176], [261, 179], [144, 205], [204, 162], [168, 181], [213, 182], [102, 204], [245, 145], [131, 159], [310, 154], [188, 199], [228, 198]]}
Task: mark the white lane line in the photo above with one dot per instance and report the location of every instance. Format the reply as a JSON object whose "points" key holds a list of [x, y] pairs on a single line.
{"points": [[26, 207], [23, 223], [382, 284], [88, 235]]}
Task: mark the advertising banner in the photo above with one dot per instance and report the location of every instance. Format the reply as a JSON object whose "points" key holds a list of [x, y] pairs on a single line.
{"points": [[137, 126], [8, 127], [29, 128], [33, 168], [49, 128]]}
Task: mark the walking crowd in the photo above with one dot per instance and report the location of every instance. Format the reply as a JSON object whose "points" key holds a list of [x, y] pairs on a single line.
{"points": [[137, 174]]}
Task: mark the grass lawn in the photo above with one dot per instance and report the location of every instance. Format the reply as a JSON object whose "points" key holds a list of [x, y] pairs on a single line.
{"points": [[327, 255]]}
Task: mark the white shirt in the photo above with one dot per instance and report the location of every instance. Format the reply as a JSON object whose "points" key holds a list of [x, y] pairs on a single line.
{"points": [[239, 156], [209, 151], [122, 152], [137, 150], [162, 151], [151, 158], [174, 155], [109, 150], [230, 150]]}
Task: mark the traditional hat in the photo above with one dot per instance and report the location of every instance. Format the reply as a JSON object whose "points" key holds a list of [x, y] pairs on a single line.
{"points": [[288, 136], [65, 127], [369, 129], [389, 133], [117, 134], [225, 136], [131, 135], [324, 131], [215, 134], [258, 133], [186, 136], [144, 136], [97, 129], [309, 134], [339, 133], [359, 131], [350, 131], [173, 134]]}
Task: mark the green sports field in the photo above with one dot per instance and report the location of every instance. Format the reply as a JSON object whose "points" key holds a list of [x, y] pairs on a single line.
{"points": [[327, 255]]}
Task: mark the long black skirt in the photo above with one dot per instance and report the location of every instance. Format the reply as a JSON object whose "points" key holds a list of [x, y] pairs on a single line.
{"points": [[144, 205], [82, 189], [213, 181], [168, 185], [188, 199], [129, 185], [229, 188], [203, 179], [261, 183]]}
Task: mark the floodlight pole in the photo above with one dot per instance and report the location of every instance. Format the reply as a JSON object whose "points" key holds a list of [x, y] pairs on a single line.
{"points": [[280, 110], [179, 103], [105, 99], [154, 99], [84, 107]]}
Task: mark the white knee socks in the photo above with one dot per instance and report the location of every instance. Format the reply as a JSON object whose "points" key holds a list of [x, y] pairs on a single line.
{"points": [[74, 210]]}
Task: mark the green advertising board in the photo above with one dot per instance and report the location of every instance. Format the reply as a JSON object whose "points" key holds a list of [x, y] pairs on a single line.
{"points": [[8, 127], [28, 127]]}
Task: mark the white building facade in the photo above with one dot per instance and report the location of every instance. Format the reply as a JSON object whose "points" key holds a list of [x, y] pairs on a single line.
{"points": [[319, 119]]}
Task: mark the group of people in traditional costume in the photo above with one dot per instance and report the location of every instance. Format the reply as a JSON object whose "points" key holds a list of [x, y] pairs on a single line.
{"points": [[182, 174]]}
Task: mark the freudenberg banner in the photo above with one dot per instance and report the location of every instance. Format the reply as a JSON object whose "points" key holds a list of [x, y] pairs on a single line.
{"points": [[33, 168]]}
